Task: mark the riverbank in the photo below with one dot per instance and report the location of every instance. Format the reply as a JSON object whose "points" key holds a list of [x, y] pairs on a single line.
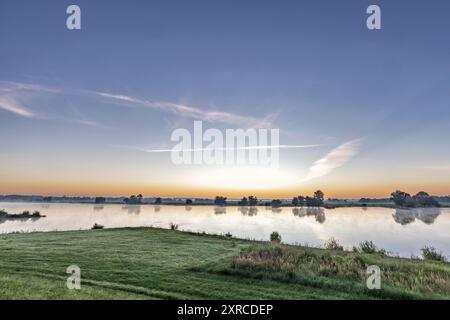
{"points": [[148, 263], [326, 205]]}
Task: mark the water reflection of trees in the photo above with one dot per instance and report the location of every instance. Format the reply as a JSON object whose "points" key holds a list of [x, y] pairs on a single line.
{"points": [[248, 211], [317, 212], [220, 210], [134, 209], [98, 207], [188, 208], [407, 216]]}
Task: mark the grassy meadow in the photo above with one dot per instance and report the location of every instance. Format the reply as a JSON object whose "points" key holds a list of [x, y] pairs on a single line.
{"points": [[149, 263]]}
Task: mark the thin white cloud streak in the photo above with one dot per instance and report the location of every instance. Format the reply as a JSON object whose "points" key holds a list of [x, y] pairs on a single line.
{"points": [[10, 86], [11, 94], [11, 104], [334, 159], [15, 90], [193, 112], [281, 146]]}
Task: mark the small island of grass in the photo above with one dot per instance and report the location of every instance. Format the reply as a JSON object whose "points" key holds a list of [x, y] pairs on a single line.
{"points": [[4, 215]]}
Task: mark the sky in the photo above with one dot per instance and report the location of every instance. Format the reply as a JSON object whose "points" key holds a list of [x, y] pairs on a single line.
{"points": [[80, 109]]}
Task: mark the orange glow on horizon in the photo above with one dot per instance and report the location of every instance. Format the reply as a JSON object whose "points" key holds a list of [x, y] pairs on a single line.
{"points": [[121, 189]]}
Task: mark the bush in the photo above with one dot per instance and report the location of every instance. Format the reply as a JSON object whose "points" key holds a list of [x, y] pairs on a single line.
{"points": [[26, 213], [276, 203], [36, 214], [97, 226], [369, 247], [275, 237], [333, 244], [3, 212], [228, 235], [173, 226], [430, 253]]}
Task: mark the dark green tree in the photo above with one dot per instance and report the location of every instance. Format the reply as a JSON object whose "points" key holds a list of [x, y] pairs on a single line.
{"points": [[318, 197], [252, 201]]}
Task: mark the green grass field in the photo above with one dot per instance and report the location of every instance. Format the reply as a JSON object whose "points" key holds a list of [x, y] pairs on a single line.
{"points": [[148, 263]]}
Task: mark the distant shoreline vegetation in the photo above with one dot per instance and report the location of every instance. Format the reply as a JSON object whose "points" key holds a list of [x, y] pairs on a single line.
{"points": [[4, 215], [398, 199]]}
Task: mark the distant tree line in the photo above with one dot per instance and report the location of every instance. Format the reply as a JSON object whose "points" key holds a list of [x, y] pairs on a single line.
{"points": [[220, 201], [315, 201], [100, 200], [420, 199], [133, 199], [251, 201]]}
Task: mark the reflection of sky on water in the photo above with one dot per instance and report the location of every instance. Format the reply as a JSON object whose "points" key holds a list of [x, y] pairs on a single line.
{"points": [[400, 231]]}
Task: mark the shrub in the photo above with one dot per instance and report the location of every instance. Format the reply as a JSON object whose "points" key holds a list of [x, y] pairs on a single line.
{"points": [[430, 253], [276, 203], [333, 244], [3, 212], [275, 237], [173, 226], [369, 247], [97, 226], [36, 214], [26, 213], [228, 235]]}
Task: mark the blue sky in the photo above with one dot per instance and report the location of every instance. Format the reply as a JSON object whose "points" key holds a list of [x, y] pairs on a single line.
{"points": [[311, 67]]}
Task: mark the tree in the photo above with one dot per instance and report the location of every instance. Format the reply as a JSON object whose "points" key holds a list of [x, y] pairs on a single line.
{"points": [[158, 200], [133, 199], [243, 202], [276, 203], [252, 201], [401, 198], [318, 197], [100, 200], [301, 200], [188, 201], [310, 202], [423, 199], [220, 201], [295, 201]]}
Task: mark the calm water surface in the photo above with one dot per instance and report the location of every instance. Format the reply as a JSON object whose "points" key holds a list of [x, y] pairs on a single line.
{"points": [[403, 232]]}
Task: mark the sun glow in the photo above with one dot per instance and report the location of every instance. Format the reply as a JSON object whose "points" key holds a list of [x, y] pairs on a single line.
{"points": [[245, 178]]}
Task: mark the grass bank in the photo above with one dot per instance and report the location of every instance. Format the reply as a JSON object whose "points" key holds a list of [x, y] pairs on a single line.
{"points": [[148, 263]]}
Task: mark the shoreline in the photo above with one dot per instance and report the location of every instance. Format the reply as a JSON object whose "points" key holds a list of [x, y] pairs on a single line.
{"points": [[224, 236], [325, 206]]}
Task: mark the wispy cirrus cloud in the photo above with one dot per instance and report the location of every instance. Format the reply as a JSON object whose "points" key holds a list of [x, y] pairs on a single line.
{"points": [[11, 93], [196, 113], [10, 103], [334, 159]]}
